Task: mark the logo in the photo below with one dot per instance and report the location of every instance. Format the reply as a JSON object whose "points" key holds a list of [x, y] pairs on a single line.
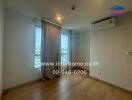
{"points": [[118, 10]]}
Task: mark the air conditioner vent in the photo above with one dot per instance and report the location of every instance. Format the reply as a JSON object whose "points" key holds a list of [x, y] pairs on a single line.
{"points": [[102, 24]]}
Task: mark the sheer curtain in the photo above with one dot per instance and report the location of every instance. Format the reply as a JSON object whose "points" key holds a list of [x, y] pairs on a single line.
{"points": [[50, 49]]}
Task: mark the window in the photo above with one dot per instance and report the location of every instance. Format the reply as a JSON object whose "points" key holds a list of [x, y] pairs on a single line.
{"points": [[65, 58], [37, 60]]}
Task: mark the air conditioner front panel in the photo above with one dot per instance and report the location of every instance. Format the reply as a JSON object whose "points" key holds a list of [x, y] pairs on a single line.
{"points": [[106, 24]]}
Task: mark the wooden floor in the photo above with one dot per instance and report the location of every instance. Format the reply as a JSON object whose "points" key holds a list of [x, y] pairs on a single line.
{"points": [[67, 88]]}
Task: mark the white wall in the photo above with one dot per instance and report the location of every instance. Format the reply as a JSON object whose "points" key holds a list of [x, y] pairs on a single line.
{"points": [[109, 48], [81, 47], [84, 47], [74, 47], [1, 44], [19, 50]]}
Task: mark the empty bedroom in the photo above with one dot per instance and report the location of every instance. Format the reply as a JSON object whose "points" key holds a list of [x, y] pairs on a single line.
{"points": [[65, 50]]}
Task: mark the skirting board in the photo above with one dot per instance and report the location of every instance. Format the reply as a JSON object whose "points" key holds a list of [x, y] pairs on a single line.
{"points": [[115, 86]]}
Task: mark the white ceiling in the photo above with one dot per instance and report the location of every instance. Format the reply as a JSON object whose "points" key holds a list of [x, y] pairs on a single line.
{"points": [[86, 12]]}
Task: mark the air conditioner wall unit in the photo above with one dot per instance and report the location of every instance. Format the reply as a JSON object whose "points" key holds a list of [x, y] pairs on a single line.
{"points": [[102, 24]]}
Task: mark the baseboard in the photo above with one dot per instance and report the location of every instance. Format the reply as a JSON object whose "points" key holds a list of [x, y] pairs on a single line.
{"points": [[115, 86], [30, 82]]}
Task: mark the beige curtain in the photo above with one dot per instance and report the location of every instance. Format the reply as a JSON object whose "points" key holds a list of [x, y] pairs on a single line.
{"points": [[50, 49]]}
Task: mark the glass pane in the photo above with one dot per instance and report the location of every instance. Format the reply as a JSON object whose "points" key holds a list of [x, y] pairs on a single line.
{"points": [[37, 61], [64, 44], [64, 47], [37, 39], [64, 58]]}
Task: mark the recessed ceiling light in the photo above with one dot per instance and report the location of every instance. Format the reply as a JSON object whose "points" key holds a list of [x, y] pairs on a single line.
{"points": [[58, 18]]}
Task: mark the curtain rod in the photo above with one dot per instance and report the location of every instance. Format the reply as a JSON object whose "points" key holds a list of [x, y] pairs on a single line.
{"points": [[47, 20]]}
